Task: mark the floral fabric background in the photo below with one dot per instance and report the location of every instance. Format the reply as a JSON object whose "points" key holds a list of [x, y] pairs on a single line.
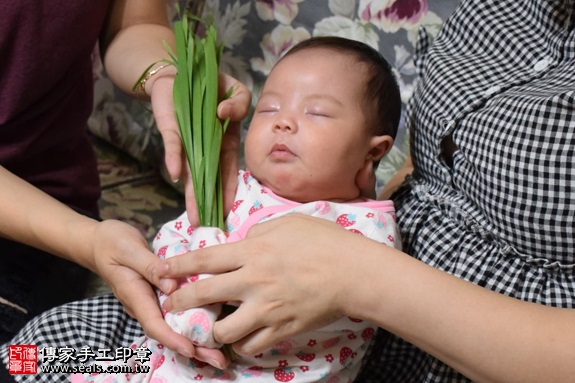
{"points": [[255, 34]]}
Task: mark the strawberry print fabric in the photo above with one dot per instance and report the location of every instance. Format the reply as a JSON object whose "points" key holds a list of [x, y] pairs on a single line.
{"points": [[331, 354]]}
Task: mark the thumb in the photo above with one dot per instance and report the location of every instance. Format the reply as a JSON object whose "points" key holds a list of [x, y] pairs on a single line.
{"points": [[229, 164], [236, 107]]}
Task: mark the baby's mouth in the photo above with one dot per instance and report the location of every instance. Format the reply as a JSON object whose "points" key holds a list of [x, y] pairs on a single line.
{"points": [[281, 151]]}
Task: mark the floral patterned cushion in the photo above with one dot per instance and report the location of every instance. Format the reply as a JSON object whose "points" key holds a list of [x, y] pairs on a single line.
{"points": [[256, 33]]}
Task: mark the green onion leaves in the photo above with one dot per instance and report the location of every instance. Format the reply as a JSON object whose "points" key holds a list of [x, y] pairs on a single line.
{"points": [[195, 103]]}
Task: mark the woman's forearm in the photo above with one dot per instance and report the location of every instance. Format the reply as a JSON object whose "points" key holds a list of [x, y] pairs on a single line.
{"points": [[485, 335], [134, 39], [32, 217]]}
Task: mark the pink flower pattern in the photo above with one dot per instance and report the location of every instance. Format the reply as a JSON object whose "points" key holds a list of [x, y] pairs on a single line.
{"points": [[392, 15]]}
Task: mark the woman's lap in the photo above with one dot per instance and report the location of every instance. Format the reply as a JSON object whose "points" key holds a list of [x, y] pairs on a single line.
{"points": [[31, 282], [99, 323]]}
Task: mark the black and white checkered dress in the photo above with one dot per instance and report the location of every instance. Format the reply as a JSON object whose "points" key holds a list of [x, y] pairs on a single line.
{"points": [[499, 81]]}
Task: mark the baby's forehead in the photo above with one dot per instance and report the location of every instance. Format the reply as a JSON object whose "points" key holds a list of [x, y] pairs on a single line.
{"points": [[347, 60], [325, 51]]}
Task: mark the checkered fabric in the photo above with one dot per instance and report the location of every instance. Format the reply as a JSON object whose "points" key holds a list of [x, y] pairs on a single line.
{"points": [[98, 323], [499, 80]]}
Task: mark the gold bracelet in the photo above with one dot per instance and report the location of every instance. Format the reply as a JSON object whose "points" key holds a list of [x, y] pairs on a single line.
{"points": [[141, 85]]}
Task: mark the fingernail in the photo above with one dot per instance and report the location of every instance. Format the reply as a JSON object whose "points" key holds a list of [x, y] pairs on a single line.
{"points": [[166, 305], [165, 286], [215, 363], [162, 269], [185, 352]]}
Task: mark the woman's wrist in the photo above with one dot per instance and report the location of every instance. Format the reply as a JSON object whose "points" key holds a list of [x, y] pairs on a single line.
{"points": [[143, 88], [81, 234], [367, 299]]}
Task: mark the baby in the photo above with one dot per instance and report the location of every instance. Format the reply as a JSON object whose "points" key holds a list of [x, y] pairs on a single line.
{"points": [[327, 114]]}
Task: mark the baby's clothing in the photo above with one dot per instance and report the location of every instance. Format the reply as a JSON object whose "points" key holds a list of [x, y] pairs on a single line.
{"points": [[330, 354]]}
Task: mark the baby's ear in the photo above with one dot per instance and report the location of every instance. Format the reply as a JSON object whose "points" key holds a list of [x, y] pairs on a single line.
{"points": [[379, 146]]}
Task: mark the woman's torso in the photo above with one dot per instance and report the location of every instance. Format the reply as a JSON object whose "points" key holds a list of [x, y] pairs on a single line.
{"points": [[46, 95], [492, 197], [505, 104]]}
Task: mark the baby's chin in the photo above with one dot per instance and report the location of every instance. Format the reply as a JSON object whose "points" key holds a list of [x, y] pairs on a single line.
{"points": [[284, 191], [287, 190], [306, 193], [290, 187]]}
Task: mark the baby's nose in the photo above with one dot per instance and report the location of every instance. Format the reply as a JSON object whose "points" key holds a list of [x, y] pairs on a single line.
{"points": [[286, 125]]}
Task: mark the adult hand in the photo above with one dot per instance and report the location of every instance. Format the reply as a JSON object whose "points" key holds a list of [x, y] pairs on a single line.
{"points": [[122, 258], [235, 108], [283, 274], [285, 289]]}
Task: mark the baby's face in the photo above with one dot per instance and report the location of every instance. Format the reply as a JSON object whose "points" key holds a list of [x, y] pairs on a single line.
{"points": [[308, 137]]}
